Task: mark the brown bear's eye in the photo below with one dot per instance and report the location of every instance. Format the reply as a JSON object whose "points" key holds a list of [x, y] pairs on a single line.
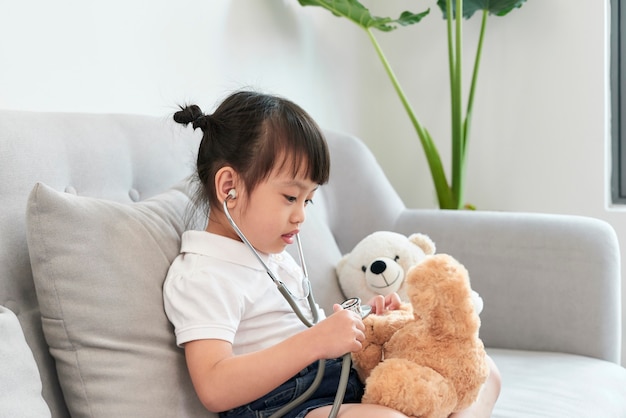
{"points": [[396, 258], [364, 269]]}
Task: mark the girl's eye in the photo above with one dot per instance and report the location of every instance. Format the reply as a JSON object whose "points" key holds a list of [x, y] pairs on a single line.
{"points": [[293, 199]]}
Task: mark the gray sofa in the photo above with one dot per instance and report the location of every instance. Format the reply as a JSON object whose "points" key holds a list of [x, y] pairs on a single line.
{"points": [[92, 209]]}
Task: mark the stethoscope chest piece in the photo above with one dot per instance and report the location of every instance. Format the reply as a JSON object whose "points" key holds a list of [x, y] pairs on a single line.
{"points": [[354, 305]]}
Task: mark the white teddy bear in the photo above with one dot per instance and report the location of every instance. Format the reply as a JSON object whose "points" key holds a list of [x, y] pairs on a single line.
{"points": [[378, 263]]}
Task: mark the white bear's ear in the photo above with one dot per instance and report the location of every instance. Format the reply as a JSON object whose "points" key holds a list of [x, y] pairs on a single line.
{"points": [[341, 263], [424, 242]]}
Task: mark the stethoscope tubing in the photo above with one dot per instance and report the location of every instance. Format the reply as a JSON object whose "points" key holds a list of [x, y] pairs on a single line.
{"points": [[346, 360]]}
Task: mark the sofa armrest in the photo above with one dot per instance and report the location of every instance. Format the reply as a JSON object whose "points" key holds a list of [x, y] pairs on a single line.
{"points": [[549, 282]]}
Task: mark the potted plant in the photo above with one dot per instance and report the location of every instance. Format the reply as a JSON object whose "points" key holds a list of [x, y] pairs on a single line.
{"points": [[450, 195]]}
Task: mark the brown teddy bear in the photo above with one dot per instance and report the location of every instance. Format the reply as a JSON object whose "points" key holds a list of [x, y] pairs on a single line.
{"points": [[426, 359]]}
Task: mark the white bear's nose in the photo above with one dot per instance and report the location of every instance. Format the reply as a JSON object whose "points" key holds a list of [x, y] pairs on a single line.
{"points": [[378, 267], [384, 275]]}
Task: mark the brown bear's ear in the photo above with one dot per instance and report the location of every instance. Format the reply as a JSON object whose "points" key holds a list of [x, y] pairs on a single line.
{"points": [[424, 242]]}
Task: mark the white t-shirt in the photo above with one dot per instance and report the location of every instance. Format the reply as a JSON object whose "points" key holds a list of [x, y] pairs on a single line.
{"points": [[217, 289]]}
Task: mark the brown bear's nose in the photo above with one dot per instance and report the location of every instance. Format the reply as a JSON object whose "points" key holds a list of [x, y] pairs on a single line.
{"points": [[378, 267]]}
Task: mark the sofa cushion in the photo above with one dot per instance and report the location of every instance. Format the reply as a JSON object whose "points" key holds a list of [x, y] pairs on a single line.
{"points": [[546, 384], [98, 268], [20, 385]]}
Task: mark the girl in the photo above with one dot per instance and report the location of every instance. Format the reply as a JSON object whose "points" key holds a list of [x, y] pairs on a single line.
{"points": [[247, 353]]}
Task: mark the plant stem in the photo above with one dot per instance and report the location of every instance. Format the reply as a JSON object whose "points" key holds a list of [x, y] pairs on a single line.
{"points": [[444, 195], [470, 102], [457, 110], [449, 28]]}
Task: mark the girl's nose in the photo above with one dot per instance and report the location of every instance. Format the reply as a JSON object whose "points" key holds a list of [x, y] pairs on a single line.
{"points": [[299, 215]]}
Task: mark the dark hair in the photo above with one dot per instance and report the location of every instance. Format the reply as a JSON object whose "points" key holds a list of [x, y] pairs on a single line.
{"points": [[249, 131]]}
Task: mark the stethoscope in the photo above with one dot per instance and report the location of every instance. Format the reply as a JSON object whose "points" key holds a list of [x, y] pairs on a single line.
{"points": [[353, 304]]}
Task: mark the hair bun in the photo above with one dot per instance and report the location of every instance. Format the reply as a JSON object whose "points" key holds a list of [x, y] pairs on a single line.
{"points": [[191, 114]]}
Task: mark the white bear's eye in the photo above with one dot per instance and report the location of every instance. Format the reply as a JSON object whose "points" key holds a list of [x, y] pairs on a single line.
{"points": [[364, 268], [396, 258]]}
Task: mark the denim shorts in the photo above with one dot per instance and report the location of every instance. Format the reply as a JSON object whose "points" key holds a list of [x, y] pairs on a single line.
{"points": [[294, 387]]}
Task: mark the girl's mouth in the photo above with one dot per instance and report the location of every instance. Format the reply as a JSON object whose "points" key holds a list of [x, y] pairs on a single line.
{"points": [[290, 237]]}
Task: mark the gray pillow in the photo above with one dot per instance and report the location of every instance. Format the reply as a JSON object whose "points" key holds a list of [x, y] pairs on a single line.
{"points": [[20, 384], [98, 268]]}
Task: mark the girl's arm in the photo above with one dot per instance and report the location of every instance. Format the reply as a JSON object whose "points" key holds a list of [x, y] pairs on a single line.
{"points": [[224, 381]]}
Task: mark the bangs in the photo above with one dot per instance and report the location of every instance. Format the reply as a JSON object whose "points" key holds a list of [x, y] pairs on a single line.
{"points": [[295, 143]]}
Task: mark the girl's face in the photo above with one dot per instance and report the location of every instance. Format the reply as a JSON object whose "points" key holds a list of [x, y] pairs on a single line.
{"points": [[272, 214]]}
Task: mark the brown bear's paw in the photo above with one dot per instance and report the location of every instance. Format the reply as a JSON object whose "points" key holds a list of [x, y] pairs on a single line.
{"points": [[412, 389]]}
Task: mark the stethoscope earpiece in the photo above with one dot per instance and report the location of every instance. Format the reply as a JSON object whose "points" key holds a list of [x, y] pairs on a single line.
{"points": [[232, 193]]}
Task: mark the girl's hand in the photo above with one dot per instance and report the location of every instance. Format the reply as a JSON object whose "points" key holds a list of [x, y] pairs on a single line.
{"points": [[382, 303], [342, 332]]}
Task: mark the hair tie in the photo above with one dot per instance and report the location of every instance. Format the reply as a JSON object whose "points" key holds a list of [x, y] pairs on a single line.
{"points": [[191, 114], [201, 122]]}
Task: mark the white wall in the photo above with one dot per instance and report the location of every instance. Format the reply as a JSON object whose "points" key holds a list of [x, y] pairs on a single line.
{"points": [[540, 133]]}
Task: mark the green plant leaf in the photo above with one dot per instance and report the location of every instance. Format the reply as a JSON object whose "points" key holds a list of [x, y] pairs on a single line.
{"points": [[494, 7], [359, 14], [450, 196]]}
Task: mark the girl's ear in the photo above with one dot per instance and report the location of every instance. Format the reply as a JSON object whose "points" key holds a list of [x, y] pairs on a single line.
{"points": [[225, 180]]}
